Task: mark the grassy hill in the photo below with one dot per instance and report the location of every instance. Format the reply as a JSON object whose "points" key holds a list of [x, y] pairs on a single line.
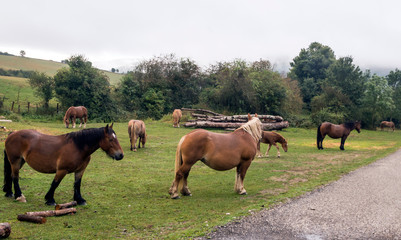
{"points": [[47, 66]]}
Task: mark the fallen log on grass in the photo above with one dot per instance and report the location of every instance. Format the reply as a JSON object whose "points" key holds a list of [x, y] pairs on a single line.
{"points": [[234, 125], [66, 205], [30, 218], [5, 230], [51, 213]]}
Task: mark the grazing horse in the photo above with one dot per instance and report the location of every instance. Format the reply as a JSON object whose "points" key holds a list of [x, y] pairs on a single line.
{"points": [[336, 131], [218, 151], [272, 138], [62, 154], [177, 114], [387, 124], [76, 112], [137, 131]]}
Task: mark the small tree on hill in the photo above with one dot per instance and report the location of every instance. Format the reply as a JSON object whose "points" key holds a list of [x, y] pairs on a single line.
{"points": [[22, 53], [43, 86]]}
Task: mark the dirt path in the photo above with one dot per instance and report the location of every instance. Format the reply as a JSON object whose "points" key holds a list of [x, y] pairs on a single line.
{"points": [[365, 204]]}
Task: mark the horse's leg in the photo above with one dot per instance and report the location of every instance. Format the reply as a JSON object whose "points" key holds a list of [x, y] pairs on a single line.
{"points": [[185, 190], [181, 173], [73, 121], [267, 150], [278, 149], [80, 122], [259, 154], [139, 141], [241, 171], [143, 139], [321, 141], [77, 184], [342, 142], [15, 167], [60, 174]]}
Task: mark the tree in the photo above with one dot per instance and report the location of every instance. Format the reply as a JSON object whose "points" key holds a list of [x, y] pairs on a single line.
{"points": [[394, 81], [377, 101], [81, 84], [43, 86], [309, 69], [22, 53]]}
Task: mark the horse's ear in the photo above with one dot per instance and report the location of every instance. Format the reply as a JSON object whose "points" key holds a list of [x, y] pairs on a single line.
{"points": [[111, 126], [256, 115], [106, 129], [249, 117]]}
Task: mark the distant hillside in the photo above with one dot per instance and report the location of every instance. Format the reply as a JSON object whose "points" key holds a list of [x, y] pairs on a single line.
{"points": [[47, 66]]}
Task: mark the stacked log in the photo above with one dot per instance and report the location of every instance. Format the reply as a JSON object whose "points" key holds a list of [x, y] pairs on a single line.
{"points": [[208, 119]]}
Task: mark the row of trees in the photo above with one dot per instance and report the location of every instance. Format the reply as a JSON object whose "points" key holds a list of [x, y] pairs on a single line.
{"points": [[319, 86]]}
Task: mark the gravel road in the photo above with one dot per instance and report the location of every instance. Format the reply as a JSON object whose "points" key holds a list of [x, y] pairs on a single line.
{"points": [[364, 204]]}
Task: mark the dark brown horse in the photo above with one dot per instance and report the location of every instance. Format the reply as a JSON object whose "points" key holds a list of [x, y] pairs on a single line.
{"points": [[63, 154], [218, 151], [137, 131], [272, 138], [336, 131], [73, 113], [177, 114], [384, 124]]}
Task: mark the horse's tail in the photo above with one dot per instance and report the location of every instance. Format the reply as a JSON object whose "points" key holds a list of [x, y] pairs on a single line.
{"points": [[319, 136], [178, 155], [7, 187]]}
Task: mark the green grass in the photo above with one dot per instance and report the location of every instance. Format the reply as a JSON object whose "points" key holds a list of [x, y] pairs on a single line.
{"points": [[129, 198], [47, 66]]}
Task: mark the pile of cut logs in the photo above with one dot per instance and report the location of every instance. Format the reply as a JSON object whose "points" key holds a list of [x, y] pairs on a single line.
{"points": [[208, 119]]}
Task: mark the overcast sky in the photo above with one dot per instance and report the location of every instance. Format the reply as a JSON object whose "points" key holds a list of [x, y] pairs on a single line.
{"points": [[120, 33]]}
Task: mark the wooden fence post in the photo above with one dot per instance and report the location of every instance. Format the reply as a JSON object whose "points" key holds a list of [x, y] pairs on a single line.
{"points": [[12, 106], [28, 106], [57, 108], [19, 108]]}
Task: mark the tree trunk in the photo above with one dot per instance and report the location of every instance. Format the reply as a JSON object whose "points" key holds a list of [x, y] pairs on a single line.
{"points": [[5, 230], [29, 218], [210, 124], [66, 205], [51, 213]]}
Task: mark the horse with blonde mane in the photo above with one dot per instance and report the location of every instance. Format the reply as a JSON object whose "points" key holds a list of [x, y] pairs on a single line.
{"points": [[218, 151], [73, 113], [390, 125], [177, 114], [137, 131], [272, 138]]}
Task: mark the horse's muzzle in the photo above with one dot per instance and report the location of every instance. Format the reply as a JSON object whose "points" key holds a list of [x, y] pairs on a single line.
{"points": [[118, 156]]}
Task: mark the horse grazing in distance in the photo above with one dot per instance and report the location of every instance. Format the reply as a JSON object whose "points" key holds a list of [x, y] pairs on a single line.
{"points": [[218, 151], [177, 114], [137, 131], [73, 113], [384, 124], [62, 154], [336, 131], [272, 138]]}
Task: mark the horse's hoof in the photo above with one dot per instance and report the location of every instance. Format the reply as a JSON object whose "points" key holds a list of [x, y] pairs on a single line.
{"points": [[187, 194], [278, 156], [83, 203], [9, 195], [176, 196], [134, 150], [21, 198], [51, 203], [243, 193]]}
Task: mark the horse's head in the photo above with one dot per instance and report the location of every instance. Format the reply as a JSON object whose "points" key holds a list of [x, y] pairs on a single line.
{"points": [[67, 118], [110, 144], [358, 126], [284, 145]]}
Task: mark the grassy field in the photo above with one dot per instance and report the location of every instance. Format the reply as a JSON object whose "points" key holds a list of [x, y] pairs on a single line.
{"points": [[47, 66], [129, 198]]}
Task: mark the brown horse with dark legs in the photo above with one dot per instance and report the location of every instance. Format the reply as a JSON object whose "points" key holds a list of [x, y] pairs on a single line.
{"points": [[272, 138], [177, 114], [384, 124], [137, 131], [218, 151], [336, 131], [62, 154], [76, 112]]}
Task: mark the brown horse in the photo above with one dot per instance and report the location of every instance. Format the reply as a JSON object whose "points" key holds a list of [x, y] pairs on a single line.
{"points": [[272, 138], [76, 112], [137, 131], [390, 125], [177, 114], [60, 154], [218, 151], [336, 131]]}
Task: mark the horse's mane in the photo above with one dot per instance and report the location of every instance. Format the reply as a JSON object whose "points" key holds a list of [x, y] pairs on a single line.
{"points": [[87, 137], [349, 125], [254, 128], [67, 114]]}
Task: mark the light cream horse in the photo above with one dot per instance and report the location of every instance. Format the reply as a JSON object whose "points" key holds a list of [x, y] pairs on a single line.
{"points": [[177, 114], [137, 130], [218, 151]]}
